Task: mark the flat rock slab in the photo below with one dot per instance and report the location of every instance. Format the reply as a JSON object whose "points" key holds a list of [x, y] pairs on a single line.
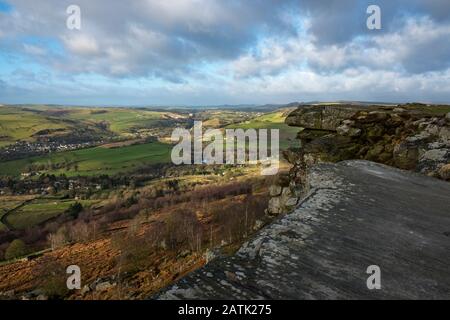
{"points": [[356, 214]]}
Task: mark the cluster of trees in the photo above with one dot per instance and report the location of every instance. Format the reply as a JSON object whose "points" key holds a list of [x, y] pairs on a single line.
{"points": [[183, 231], [231, 220], [67, 165], [16, 249], [130, 207], [185, 228], [18, 243]]}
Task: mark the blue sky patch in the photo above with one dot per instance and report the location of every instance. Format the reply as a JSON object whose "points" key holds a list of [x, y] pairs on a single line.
{"points": [[5, 7]]}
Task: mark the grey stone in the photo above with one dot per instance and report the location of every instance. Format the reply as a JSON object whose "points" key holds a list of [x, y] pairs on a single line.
{"points": [[435, 155], [286, 193], [356, 214], [291, 202], [275, 190], [274, 206], [444, 134], [258, 225], [320, 117], [420, 137], [346, 130], [432, 129]]}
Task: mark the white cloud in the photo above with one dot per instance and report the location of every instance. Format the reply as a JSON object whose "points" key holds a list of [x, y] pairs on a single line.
{"points": [[34, 50], [236, 49], [81, 44]]}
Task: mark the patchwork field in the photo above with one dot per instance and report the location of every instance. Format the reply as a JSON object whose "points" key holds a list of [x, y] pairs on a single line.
{"points": [[223, 118], [122, 121], [92, 161], [118, 157], [23, 122], [143, 227]]}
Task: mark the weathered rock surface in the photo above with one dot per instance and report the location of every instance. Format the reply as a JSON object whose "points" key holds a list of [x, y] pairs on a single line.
{"points": [[321, 117], [413, 137], [353, 214]]}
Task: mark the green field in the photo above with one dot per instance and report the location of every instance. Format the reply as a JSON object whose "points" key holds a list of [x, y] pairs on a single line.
{"points": [[23, 122], [40, 210], [93, 161], [121, 121], [222, 118], [18, 124], [274, 120], [8, 203]]}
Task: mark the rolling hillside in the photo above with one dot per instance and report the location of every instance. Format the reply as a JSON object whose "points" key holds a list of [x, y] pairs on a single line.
{"points": [[273, 120], [22, 124], [92, 161]]}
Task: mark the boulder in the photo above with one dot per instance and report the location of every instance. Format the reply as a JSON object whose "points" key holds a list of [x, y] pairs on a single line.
{"points": [[406, 138], [348, 130], [444, 134], [435, 155], [274, 206], [405, 156], [275, 190]]}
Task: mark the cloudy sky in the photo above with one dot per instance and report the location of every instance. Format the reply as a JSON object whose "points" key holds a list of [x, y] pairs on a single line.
{"points": [[210, 52]]}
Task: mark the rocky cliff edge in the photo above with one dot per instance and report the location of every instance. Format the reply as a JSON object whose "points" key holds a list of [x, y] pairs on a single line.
{"points": [[352, 215]]}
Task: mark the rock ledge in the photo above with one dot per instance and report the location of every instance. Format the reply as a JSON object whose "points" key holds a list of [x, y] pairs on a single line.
{"points": [[354, 214]]}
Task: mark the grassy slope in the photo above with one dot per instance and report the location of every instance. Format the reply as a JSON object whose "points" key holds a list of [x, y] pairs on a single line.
{"points": [[18, 124], [97, 160], [435, 109], [111, 161], [38, 211], [221, 118], [274, 120], [121, 120]]}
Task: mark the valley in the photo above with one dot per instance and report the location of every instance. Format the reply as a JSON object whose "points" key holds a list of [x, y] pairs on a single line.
{"points": [[96, 187]]}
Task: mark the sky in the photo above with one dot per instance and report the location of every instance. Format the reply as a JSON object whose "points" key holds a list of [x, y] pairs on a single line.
{"points": [[214, 52]]}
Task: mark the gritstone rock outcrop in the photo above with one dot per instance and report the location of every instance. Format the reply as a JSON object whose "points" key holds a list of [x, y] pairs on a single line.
{"points": [[412, 137], [353, 214], [343, 215]]}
